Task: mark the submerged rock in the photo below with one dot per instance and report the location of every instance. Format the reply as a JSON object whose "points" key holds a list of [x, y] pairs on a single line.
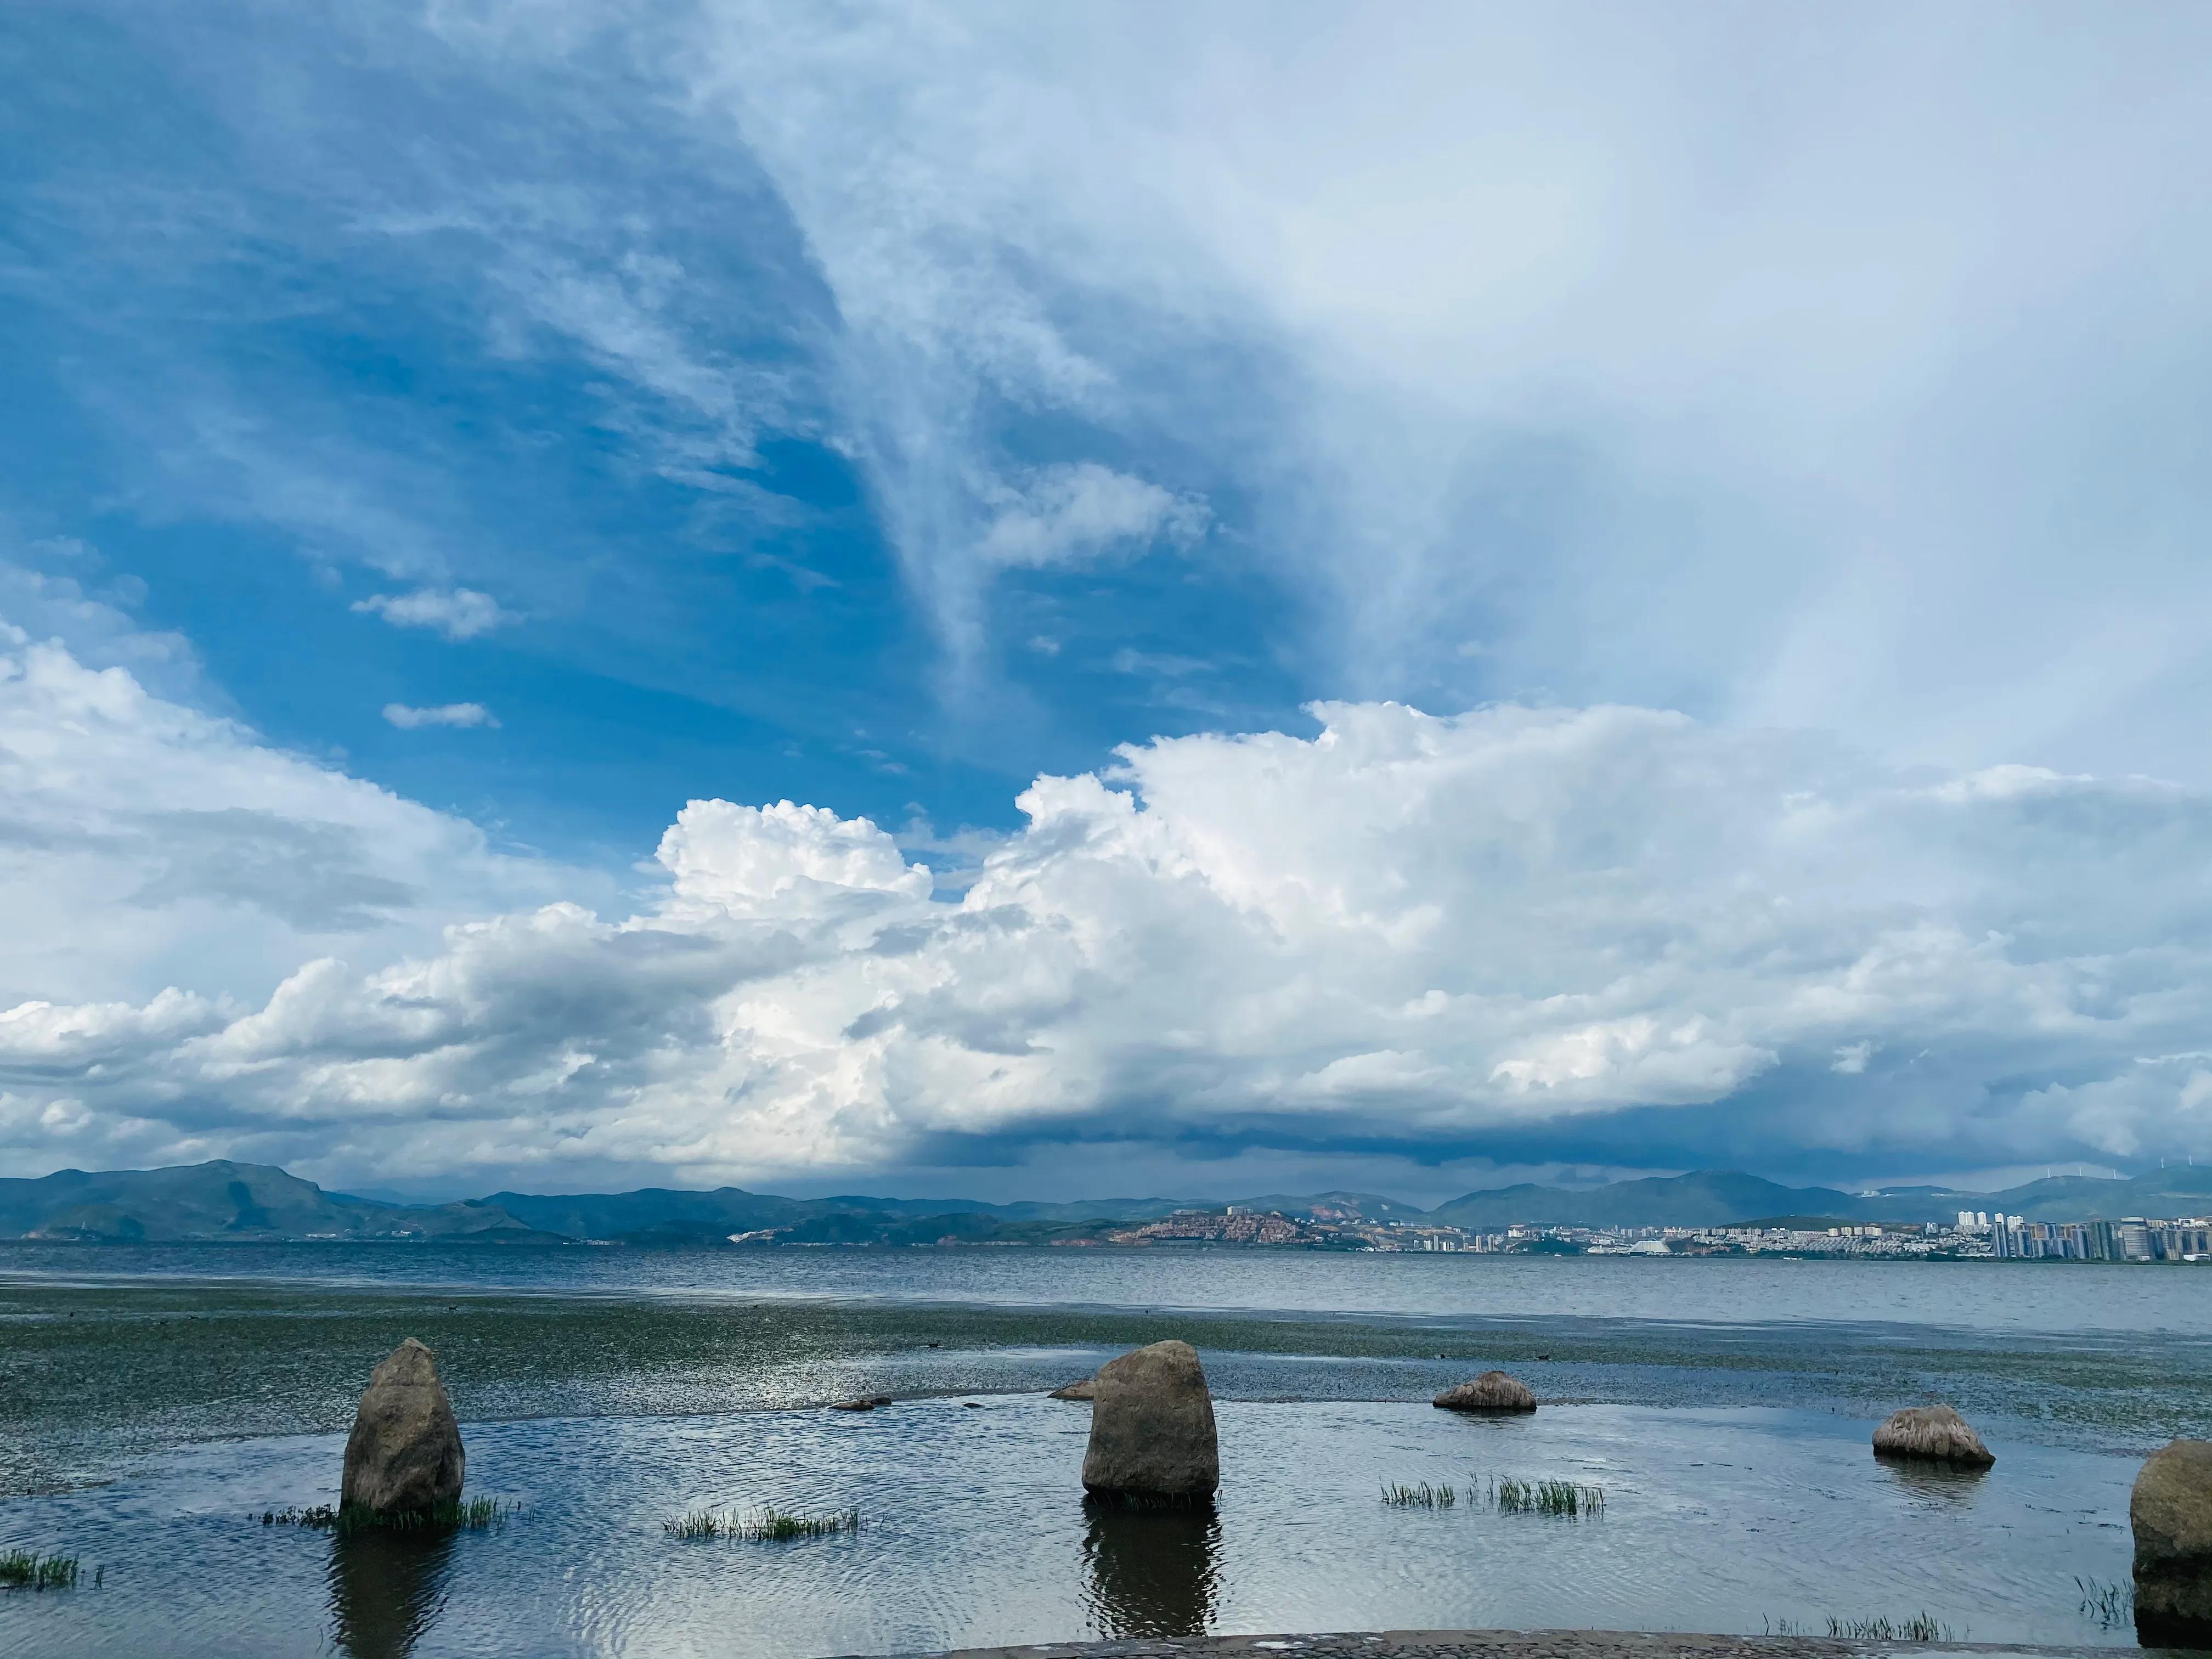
{"points": [[405, 1452], [1493, 1392], [2171, 1509], [1152, 1439], [1933, 1434], [1085, 1389]]}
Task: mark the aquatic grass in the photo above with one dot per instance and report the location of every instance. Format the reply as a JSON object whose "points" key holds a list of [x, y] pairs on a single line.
{"points": [[28, 1569], [769, 1524], [1504, 1493], [1572, 1499], [1920, 1628], [1423, 1496], [2112, 1606], [473, 1513]]}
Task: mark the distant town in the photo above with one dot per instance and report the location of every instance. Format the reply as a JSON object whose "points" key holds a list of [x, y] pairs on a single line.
{"points": [[1975, 1234]]}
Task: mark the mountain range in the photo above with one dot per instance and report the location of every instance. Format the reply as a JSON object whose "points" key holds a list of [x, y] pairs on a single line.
{"points": [[253, 1201]]}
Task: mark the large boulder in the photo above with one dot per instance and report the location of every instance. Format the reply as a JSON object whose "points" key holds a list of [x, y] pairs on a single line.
{"points": [[1493, 1392], [2171, 1509], [1932, 1434], [405, 1452], [1152, 1429]]}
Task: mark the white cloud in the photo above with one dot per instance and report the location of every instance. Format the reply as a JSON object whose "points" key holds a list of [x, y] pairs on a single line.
{"points": [[450, 714], [1064, 513], [1413, 931], [1676, 362], [459, 613], [1852, 1059], [145, 843]]}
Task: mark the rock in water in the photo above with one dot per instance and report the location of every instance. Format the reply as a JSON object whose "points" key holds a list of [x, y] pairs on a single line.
{"points": [[1934, 1434], [2170, 1508], [1083, 1389], [405, 1452], [1152, 1429], [1493, 1392]]}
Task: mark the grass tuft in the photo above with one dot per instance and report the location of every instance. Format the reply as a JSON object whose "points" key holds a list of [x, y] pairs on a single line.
{"points": [[1920, 1628], [769, 1524], [1423, 1496], [2112, 1606], [475, 1513], [28, 1569], [1572, 1499], [1504, 1493]]}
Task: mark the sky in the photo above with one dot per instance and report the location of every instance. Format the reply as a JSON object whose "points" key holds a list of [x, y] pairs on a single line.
{"points": [[1058, 601]]}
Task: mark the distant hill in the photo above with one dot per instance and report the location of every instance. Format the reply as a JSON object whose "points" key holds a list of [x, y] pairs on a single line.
{"points": [[225, 1201], [676, 1216], [249, 1202], [1707, 1199], [2185, 1190]]}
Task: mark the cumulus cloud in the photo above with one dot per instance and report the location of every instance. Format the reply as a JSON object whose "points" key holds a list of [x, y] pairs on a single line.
{"points": [[1420, 933], [458, 613], [408, 719], [146, 843]]}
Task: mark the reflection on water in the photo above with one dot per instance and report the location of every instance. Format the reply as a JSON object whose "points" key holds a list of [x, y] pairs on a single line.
{"points": [[1941, 1483], [1150, 1572], [385, 1589]]}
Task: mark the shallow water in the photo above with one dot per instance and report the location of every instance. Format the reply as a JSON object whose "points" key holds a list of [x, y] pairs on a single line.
{"points": [[1724, 1407], [1965, 1296], [975, 1531]]}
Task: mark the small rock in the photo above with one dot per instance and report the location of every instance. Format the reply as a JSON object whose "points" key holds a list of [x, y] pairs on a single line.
{"points": [[1933, 1434], [1085, 1389], [866, 1403], [2171, 1510], [405, 1452], [1493, 1393], [1152, 1439]]}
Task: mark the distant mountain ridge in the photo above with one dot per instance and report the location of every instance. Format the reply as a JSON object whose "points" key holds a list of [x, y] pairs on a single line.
{"points": [[224, 1200]]}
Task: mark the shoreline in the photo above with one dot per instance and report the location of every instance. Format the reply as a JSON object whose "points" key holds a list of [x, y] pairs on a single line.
{"points": [[1500, 1644]]}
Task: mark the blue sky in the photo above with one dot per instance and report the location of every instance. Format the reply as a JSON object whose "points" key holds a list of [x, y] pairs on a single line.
{"points": [[269, 364], [478, 430]]}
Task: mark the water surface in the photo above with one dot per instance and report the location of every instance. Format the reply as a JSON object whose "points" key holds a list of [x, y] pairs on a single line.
{"points": [[153, 1400]]}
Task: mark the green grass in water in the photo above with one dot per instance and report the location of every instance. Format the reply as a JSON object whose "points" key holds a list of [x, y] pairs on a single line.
{"points": [[28, 1569], [472, 1512], [1504, 1493], [1423, 1496], [1568, 1498], [770, 1523], [2112, 1606], [1920, 1628]]}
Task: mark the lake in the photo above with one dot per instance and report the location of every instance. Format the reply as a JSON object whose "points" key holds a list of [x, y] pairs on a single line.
{"points": [[156, 1401]]}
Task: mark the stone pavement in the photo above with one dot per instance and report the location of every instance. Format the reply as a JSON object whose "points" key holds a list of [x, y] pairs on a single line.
{"points": [[1504, 1644]]}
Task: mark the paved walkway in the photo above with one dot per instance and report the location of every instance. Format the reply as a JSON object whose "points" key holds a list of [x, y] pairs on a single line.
{"points": [[1504, 1644]]}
